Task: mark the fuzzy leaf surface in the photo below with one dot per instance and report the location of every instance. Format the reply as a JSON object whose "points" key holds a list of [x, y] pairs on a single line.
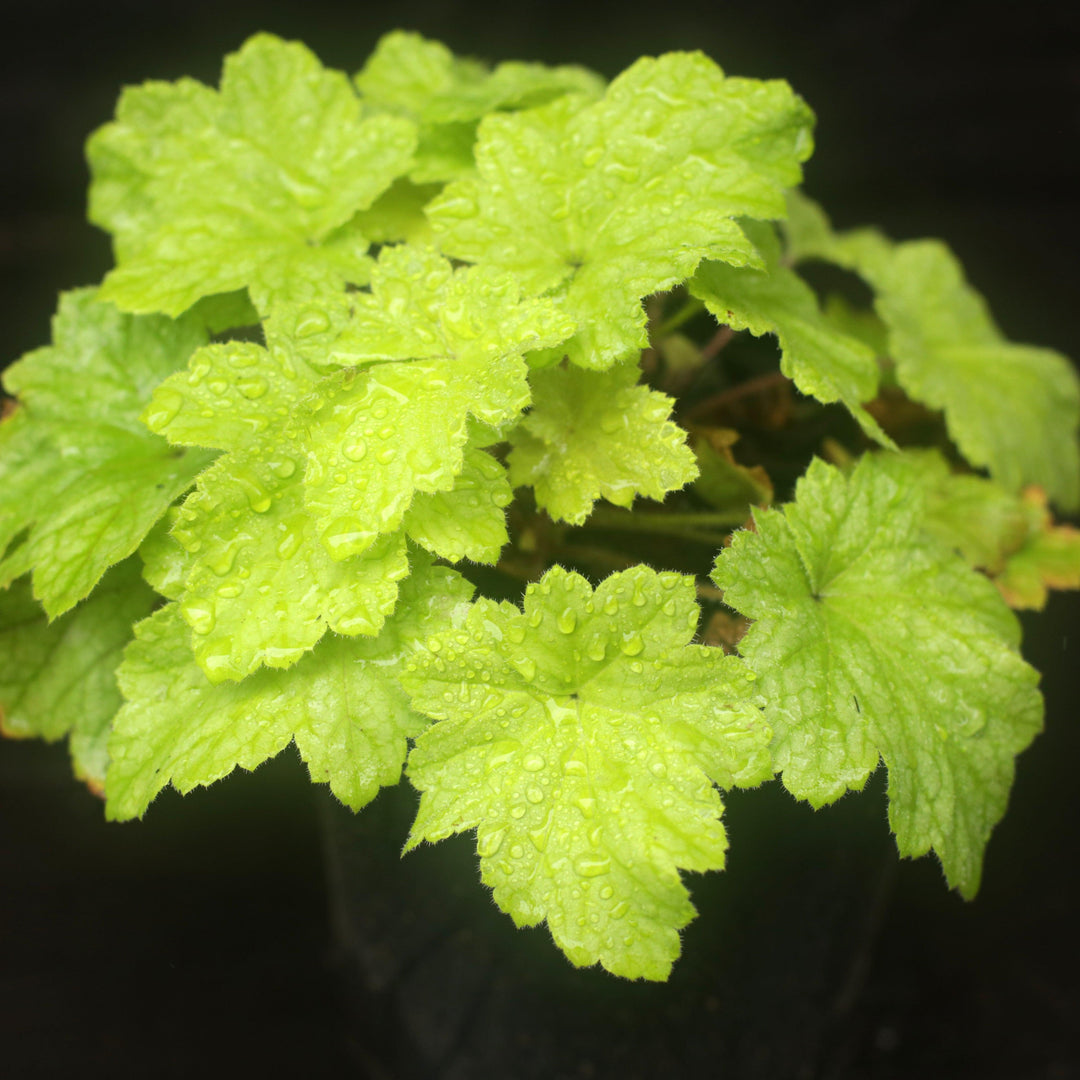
{"points": [[341, 705], [872, 641], [603, 204], [592, 435], [821, 360], [81, 479], [446, 95], [58, 678], [207, 192], [582, 738], [469, 521]]}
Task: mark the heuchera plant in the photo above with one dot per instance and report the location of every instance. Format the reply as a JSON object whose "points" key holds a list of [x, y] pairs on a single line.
{"points": [[365, 334]]}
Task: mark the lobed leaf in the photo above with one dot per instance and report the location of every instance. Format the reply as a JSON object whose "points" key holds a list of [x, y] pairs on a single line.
{"points": [[207, 192], [873, 641], [57, 678], [593, 435], [606, 203], [582, 738], [820, 359], [446, 95], [81, 480], [1014, 409], [341, 705]]}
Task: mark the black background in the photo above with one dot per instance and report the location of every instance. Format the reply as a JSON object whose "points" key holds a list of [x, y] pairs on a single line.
{"points": [[200, 937]]}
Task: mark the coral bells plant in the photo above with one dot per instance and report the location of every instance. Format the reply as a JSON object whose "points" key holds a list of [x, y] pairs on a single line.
{"points": [[361, 415]]}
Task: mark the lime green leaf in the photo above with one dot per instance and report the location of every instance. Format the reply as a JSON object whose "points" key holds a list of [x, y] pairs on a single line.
{"points": [[421, 79], [1014, 409], [972, 515], [467, 522], [870, 640], [57, 678], [1049, 558], [341, 704], [209, 192], [821, 360], [582, 738], [79, 474], [595, 435], [1013, 538], [607, 203], [261, 588], [398, 214], [378, 435], [166, 564]]}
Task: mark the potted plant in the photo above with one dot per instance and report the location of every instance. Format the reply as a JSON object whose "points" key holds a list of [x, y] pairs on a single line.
{"points": [[381, 370]]}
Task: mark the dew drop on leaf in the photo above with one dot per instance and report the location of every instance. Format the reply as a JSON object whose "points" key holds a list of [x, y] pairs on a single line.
{"points": [[163, 408], [533, 763], [567, 621], [199, 618], [312, 321], [355, 451], [489, 843], [589, 866], [632, 643]]}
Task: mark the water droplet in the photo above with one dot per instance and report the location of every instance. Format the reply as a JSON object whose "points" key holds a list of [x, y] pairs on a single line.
{"points": [[252, 387], [587, 805], [592, 865], [575, 766], [164, 406], [347, 536], [533, 763], [517, 813], [283, 468], [230, 592], [658, 768], [620, 909], [355, 451], [386, 455], [257, 498], [597, 648], [526, 667], [611, 605], [387, 432], [221, 562], [312, 321], [567, 620], [534, 794], [632, 643], [200, 618], [592, 157], [292, 537], [488, 844]]}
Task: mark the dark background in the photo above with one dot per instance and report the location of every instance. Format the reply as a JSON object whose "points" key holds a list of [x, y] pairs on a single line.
{"points": [[201, 937]]}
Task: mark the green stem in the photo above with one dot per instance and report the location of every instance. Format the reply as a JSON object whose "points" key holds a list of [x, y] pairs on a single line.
{"points": [[686, 526], [673, 322]]}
